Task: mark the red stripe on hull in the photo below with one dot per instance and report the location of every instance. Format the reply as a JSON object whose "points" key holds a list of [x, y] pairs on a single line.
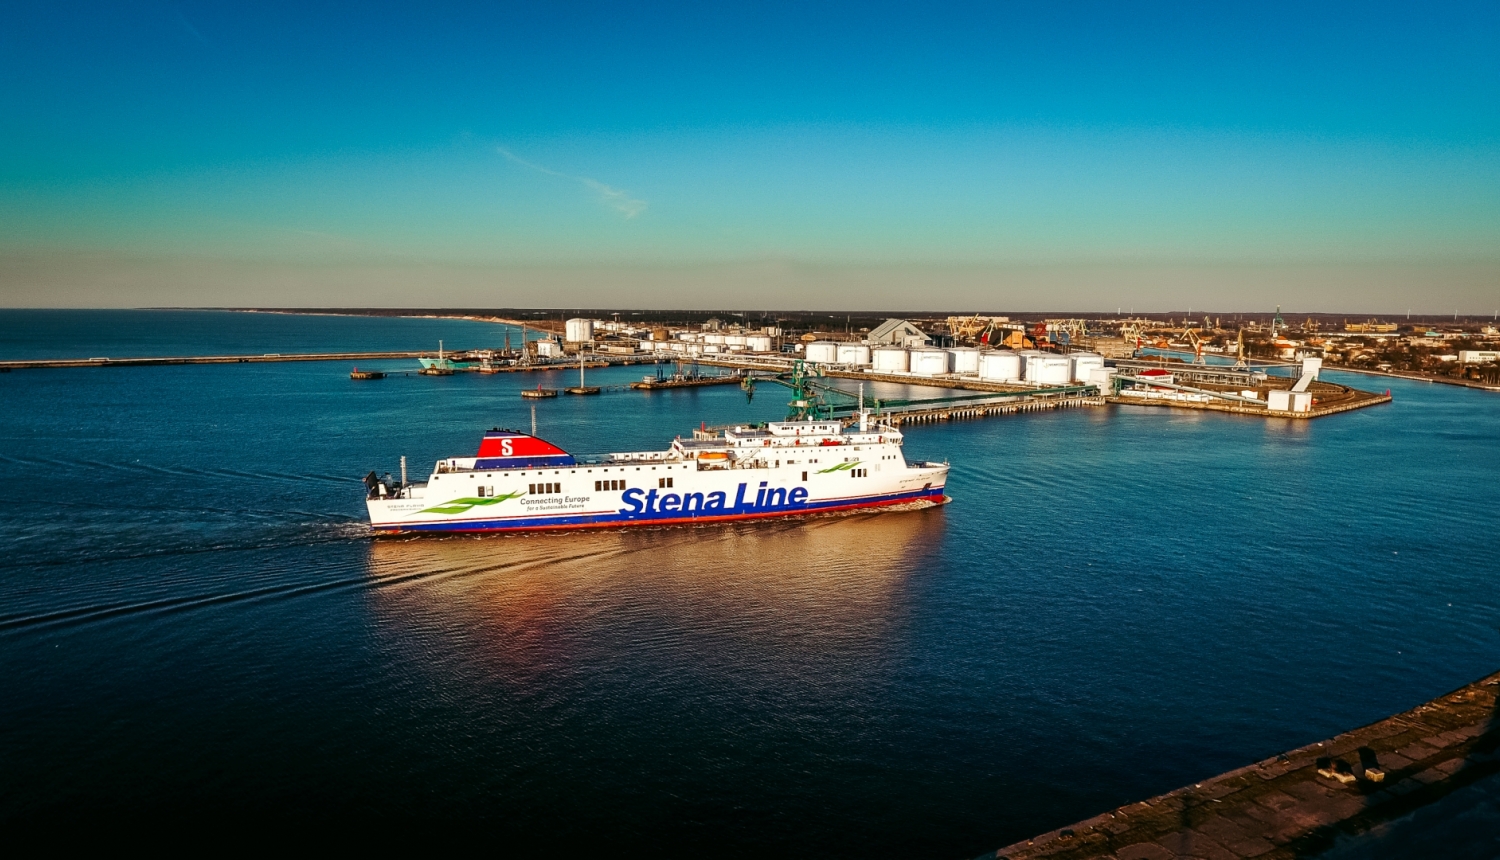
{"points": [[936, 498]]}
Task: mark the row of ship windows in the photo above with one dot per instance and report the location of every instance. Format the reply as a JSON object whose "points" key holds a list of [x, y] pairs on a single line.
{"points": [[668, 481], [575, 471], [552, 488], [614, 485], [543, 489]]}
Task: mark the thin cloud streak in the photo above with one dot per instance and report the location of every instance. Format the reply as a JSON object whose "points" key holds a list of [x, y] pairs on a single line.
{"points": [[610, 196]]}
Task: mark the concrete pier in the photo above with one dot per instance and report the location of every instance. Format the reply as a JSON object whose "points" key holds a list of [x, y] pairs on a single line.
{"points": [[1297, 803], [985, 410], [1356, 400]]}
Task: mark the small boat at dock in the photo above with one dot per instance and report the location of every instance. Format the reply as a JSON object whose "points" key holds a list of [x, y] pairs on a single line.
{"points": [[366, 374]]}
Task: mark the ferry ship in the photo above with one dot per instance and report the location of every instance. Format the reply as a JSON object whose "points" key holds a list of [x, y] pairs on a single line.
{"points": [[518, 482]]}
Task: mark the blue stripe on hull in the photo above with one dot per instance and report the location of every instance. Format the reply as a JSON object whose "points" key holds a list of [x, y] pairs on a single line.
{"points": [[656, 519]]}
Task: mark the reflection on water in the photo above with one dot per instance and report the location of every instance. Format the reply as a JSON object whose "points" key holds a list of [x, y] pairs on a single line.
{"points": [[651, 689], [780, 595]]}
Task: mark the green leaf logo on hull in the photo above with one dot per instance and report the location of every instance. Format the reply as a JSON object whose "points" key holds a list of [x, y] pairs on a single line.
{"points": [[459, 506], [842, 467]]}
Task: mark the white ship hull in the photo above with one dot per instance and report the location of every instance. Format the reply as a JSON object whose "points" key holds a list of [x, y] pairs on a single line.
{"points": [[789, 469]]}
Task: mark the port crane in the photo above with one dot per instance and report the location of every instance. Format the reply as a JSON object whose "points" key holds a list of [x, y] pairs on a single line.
{"points": [[808, 402], [1070, 331], [970, 328], [1197, 344]]}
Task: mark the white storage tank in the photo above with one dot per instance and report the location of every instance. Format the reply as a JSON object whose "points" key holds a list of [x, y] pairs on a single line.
{"points": [[758, 343], [1281, 400], [1085, 363], [965, 359], [1026, 355], [1046, 369], [578, 330], [823, 352], [1102, 377], [890, 359], [734, 340], [1000, 366], [713, 347], [931, 362], [713, 338], [854, 353]]}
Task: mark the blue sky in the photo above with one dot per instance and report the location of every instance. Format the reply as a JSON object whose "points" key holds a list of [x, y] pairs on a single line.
{"points": [[1086, 155]]}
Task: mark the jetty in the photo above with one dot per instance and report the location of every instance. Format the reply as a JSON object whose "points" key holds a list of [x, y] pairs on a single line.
{"points": [[1130, 382], [987, 408], [691, 382], [153, 361], [1298, 803]]}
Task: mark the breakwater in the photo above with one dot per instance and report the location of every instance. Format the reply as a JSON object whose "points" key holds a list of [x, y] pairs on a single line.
{"points": [[1299, 802], [155, 361]]}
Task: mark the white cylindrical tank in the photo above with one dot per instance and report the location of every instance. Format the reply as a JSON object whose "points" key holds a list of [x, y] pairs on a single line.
{"points": [[679, 347], [1085, 363], [713, 338], [713, 347], [578, 330], [1047, 369], [890, 359], [734, 340], [1101, 377], [823, 352], [965, 359], [1000, 366], [931, 362], [758, 343], [1026, 355], [854, 353]]}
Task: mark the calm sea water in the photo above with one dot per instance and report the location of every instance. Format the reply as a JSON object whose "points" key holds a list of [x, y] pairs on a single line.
{"points": [[1118, 601]]}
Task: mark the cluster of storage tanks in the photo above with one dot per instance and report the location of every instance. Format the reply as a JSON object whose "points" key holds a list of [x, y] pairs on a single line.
{"points": [[711, 344], [1025, 366], [687, 342]]}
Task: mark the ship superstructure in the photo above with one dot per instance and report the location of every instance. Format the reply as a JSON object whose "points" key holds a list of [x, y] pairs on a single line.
{"points": [[518, 482]]}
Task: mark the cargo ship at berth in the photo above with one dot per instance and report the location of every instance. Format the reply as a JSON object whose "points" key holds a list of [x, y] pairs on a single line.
{"points": [[518, 482]]}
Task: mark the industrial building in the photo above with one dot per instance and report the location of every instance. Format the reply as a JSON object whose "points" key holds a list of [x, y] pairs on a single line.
{"points": [[898, 333]]}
